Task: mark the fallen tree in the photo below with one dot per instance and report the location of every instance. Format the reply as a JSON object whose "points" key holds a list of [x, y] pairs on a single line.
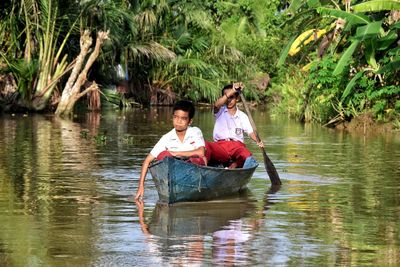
{"points": [[72, 91]]}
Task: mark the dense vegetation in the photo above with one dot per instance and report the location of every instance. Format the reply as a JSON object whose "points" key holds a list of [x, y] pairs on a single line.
{"points": [[322, 60]]}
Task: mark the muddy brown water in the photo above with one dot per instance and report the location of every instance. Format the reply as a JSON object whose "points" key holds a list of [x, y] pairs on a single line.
{"points": [[66, 192]]}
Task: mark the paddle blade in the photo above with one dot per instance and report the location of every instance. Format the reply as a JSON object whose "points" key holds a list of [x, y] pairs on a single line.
{"points": [[269, 166]]}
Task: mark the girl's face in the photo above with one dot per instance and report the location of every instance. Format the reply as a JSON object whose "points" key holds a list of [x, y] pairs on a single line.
{"points": [[181, 120]]}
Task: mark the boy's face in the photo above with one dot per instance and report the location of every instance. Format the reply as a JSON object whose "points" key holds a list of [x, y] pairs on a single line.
{"points": [[181, 120], [231, 100]]}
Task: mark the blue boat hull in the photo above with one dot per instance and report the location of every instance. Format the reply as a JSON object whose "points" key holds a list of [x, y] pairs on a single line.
{"points": [[177, 180]]}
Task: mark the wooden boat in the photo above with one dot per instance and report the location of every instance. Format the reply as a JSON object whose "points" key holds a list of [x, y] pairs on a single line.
{"points": [[177, 180]]}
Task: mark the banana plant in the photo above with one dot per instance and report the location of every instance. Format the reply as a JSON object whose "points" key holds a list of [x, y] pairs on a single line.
{"points": [[362, 46], [362, 31]]}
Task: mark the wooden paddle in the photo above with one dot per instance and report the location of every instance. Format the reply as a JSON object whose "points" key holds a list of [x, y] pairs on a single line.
{"points": [[269, 166]]}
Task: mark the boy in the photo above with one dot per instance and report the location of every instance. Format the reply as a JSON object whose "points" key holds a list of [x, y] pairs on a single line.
{"points": [[230, 123], [183, 140]]}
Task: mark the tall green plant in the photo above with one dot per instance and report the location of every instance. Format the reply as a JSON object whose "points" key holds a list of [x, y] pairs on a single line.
{"points": [[42, 40], [366, 39]]}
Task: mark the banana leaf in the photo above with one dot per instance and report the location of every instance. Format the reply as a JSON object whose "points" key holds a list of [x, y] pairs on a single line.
{"points": [[294, 6], [370, 48], [351, 84], [392, 66], [285, 51], [352, 19], [345, 58], [395, 26], [388, 40], [313, 3], [377, 5], [368, 31]]}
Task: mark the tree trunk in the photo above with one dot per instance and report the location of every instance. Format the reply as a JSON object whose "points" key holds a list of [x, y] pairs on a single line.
{"points": [[72, 91]]}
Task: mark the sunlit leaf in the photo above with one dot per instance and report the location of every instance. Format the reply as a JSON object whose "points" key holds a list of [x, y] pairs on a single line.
{"points": [[370, 48], [346, 57], [377, 5], [285, 52], [294, 6], [313, 3], [351, 84], [352, 19], [370, 30]]}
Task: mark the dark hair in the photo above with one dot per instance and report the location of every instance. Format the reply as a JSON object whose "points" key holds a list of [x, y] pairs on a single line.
{"points": [[186, 106], [228, 86]]}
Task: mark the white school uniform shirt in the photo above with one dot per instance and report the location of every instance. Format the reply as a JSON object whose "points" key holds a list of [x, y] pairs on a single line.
{"points": [[170, 141], [231, 127]]}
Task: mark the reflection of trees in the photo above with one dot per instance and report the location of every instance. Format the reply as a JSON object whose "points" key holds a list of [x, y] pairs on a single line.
{"points": [[44, 168], [354, 213]]}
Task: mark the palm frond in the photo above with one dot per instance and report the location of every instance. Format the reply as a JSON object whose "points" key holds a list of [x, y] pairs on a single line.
{"points": [[152, 50]]}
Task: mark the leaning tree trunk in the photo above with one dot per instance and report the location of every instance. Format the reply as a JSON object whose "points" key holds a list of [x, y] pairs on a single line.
{"points": [[72, 91]]}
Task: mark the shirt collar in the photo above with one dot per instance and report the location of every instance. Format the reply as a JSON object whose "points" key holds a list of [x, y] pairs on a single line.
{"points": [[175, 135], [234, 115]]}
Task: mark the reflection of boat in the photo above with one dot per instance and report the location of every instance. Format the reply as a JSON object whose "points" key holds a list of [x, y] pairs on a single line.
{"points": [[177, 180], [197, 218]]}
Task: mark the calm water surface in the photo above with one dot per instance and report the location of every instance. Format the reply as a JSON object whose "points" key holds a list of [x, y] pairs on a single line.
{"points": [[66, 192]]}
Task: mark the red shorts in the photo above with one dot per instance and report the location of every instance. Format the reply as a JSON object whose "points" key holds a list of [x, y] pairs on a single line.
{"points": [[227, 151], [196, 159]]}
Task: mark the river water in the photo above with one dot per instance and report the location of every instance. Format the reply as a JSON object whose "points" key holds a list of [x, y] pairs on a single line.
{"points": [[66, 192]]}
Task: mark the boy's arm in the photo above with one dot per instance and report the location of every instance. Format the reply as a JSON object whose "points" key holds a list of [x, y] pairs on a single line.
{"points": [[254, 138], [143, 172], [222, 100], [200, 151], [250, 131], [228, 93]]}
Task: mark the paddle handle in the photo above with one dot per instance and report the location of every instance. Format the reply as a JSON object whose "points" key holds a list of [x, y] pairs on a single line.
{"points": [[269, 166]]}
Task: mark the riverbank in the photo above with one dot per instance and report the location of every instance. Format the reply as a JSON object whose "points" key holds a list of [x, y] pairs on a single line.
{"points": [[366, 124]]}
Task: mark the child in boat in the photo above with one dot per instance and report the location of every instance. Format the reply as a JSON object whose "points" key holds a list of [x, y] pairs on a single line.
{"points": [[182, 141], [230, 124]]}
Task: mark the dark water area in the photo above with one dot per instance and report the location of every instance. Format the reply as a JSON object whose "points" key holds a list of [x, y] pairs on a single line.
{"points": [[66, 191]]}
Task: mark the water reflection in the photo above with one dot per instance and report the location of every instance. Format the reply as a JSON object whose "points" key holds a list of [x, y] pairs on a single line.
{"points": [[64, 197], [219, 232], [47, 194], [184, 232]]}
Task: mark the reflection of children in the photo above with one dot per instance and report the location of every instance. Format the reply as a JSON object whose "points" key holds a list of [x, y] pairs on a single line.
{"points": [[230, 124], [228, 245], [187, 251], [182, 141]]}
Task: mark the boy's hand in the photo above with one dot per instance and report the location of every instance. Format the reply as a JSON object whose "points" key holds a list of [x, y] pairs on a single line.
{"points": [[260, 144], [139, 194], [238, 87]]}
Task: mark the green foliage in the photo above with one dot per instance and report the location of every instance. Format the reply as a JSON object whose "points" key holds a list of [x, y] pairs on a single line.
{"points": [[360, 70], [287, 94], [190, 47], [25, 74], [326, 90]]}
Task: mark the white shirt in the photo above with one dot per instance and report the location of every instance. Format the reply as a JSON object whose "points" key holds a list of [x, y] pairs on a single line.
{"points": [[231, 127], [170, 141]]}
